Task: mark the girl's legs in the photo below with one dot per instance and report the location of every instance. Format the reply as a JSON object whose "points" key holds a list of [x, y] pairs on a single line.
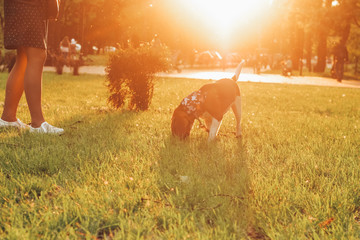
{"points": [[33, 83], [27, 76], [14, 87]]}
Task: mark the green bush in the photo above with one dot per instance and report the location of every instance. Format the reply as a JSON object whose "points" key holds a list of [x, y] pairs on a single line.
{"points": [[130, 75]]}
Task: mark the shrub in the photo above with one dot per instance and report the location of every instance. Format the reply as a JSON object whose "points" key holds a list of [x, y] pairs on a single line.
{"points": [[130, 75]]}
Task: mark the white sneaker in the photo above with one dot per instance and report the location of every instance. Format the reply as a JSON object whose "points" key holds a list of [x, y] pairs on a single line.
{"points": [[18, 124], [47, 128]]}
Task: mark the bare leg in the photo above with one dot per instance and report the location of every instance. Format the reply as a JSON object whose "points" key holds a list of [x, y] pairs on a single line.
{"points": [[33, 83], [14, 87]]}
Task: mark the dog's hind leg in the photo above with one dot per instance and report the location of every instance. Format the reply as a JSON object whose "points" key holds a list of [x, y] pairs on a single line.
{"points": [[236, 107], [214, 128]]}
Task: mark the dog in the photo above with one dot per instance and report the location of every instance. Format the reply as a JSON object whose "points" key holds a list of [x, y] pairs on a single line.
{"points": [[210, 103]]}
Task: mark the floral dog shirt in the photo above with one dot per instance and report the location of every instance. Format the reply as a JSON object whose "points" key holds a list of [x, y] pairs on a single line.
{"points": [[192, 103]]}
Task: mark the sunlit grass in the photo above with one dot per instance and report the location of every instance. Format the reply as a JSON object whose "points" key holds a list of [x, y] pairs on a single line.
{"points": [[97, 59], [294, 174]]}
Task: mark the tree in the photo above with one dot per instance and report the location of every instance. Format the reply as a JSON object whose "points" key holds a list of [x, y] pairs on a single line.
{"points": [[102, 22], [308, 25]]}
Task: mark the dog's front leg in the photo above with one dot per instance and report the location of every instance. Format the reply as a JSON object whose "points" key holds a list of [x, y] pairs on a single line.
{"points": [[236, 107], [214, 128]]}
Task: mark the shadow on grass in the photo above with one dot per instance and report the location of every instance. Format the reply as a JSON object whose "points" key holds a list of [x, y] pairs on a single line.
{"points": [[85, 137], [59, 171], [203, 187], [208, 184]]}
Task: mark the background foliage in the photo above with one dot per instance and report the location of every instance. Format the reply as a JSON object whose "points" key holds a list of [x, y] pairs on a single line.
{"points": [[300, 28], [130, 75]]}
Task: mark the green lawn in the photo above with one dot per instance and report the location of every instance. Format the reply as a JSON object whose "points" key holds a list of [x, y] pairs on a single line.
{"points": [[294, 175], [96, 60]]}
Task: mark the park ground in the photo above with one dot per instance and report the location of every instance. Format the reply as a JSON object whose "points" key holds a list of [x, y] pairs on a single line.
{"points": [[118, 174], [246, 76]]}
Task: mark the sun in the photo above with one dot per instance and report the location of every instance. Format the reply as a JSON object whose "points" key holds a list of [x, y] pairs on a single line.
{"points": [[224, 16]]}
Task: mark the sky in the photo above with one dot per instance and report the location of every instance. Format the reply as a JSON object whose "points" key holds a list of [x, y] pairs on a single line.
{"points": [[221, 18]]}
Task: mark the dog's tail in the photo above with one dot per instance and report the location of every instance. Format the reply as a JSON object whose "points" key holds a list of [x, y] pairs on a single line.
{"points": [[238, 70]]}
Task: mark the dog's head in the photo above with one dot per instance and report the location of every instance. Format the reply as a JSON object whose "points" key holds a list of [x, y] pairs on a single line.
{"points": [[181, 123]]}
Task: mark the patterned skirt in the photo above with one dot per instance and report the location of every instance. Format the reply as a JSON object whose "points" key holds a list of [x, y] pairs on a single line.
{"points": [[24, 25]]}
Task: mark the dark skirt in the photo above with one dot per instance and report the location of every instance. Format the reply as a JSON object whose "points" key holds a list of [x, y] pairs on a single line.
{"points": [[24, 25]]}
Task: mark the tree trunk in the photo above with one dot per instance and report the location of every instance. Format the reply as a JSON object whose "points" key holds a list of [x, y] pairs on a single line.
{"points": [[293, 46], [323, 34], [321, 52], [308, 50], [299, 49]]}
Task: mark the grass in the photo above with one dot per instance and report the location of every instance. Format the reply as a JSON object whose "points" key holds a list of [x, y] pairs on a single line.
{"points": [[294, 174], [96, 60]]}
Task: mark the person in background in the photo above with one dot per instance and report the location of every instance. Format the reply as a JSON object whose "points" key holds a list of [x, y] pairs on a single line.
{"points": [[65, 47], [26, 32], [341, 56]]}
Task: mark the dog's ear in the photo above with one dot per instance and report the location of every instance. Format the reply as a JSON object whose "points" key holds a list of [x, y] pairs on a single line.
{"points": [[181, 124]]}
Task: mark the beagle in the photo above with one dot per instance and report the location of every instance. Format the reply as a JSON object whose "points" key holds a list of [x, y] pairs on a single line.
{"points": [[210, 103]]}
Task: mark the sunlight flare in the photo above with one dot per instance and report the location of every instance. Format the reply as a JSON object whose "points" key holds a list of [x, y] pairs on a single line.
{"points": [[223, 16]]}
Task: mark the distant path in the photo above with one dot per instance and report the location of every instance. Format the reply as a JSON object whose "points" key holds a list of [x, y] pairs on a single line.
{"points": [[245, 76]]}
